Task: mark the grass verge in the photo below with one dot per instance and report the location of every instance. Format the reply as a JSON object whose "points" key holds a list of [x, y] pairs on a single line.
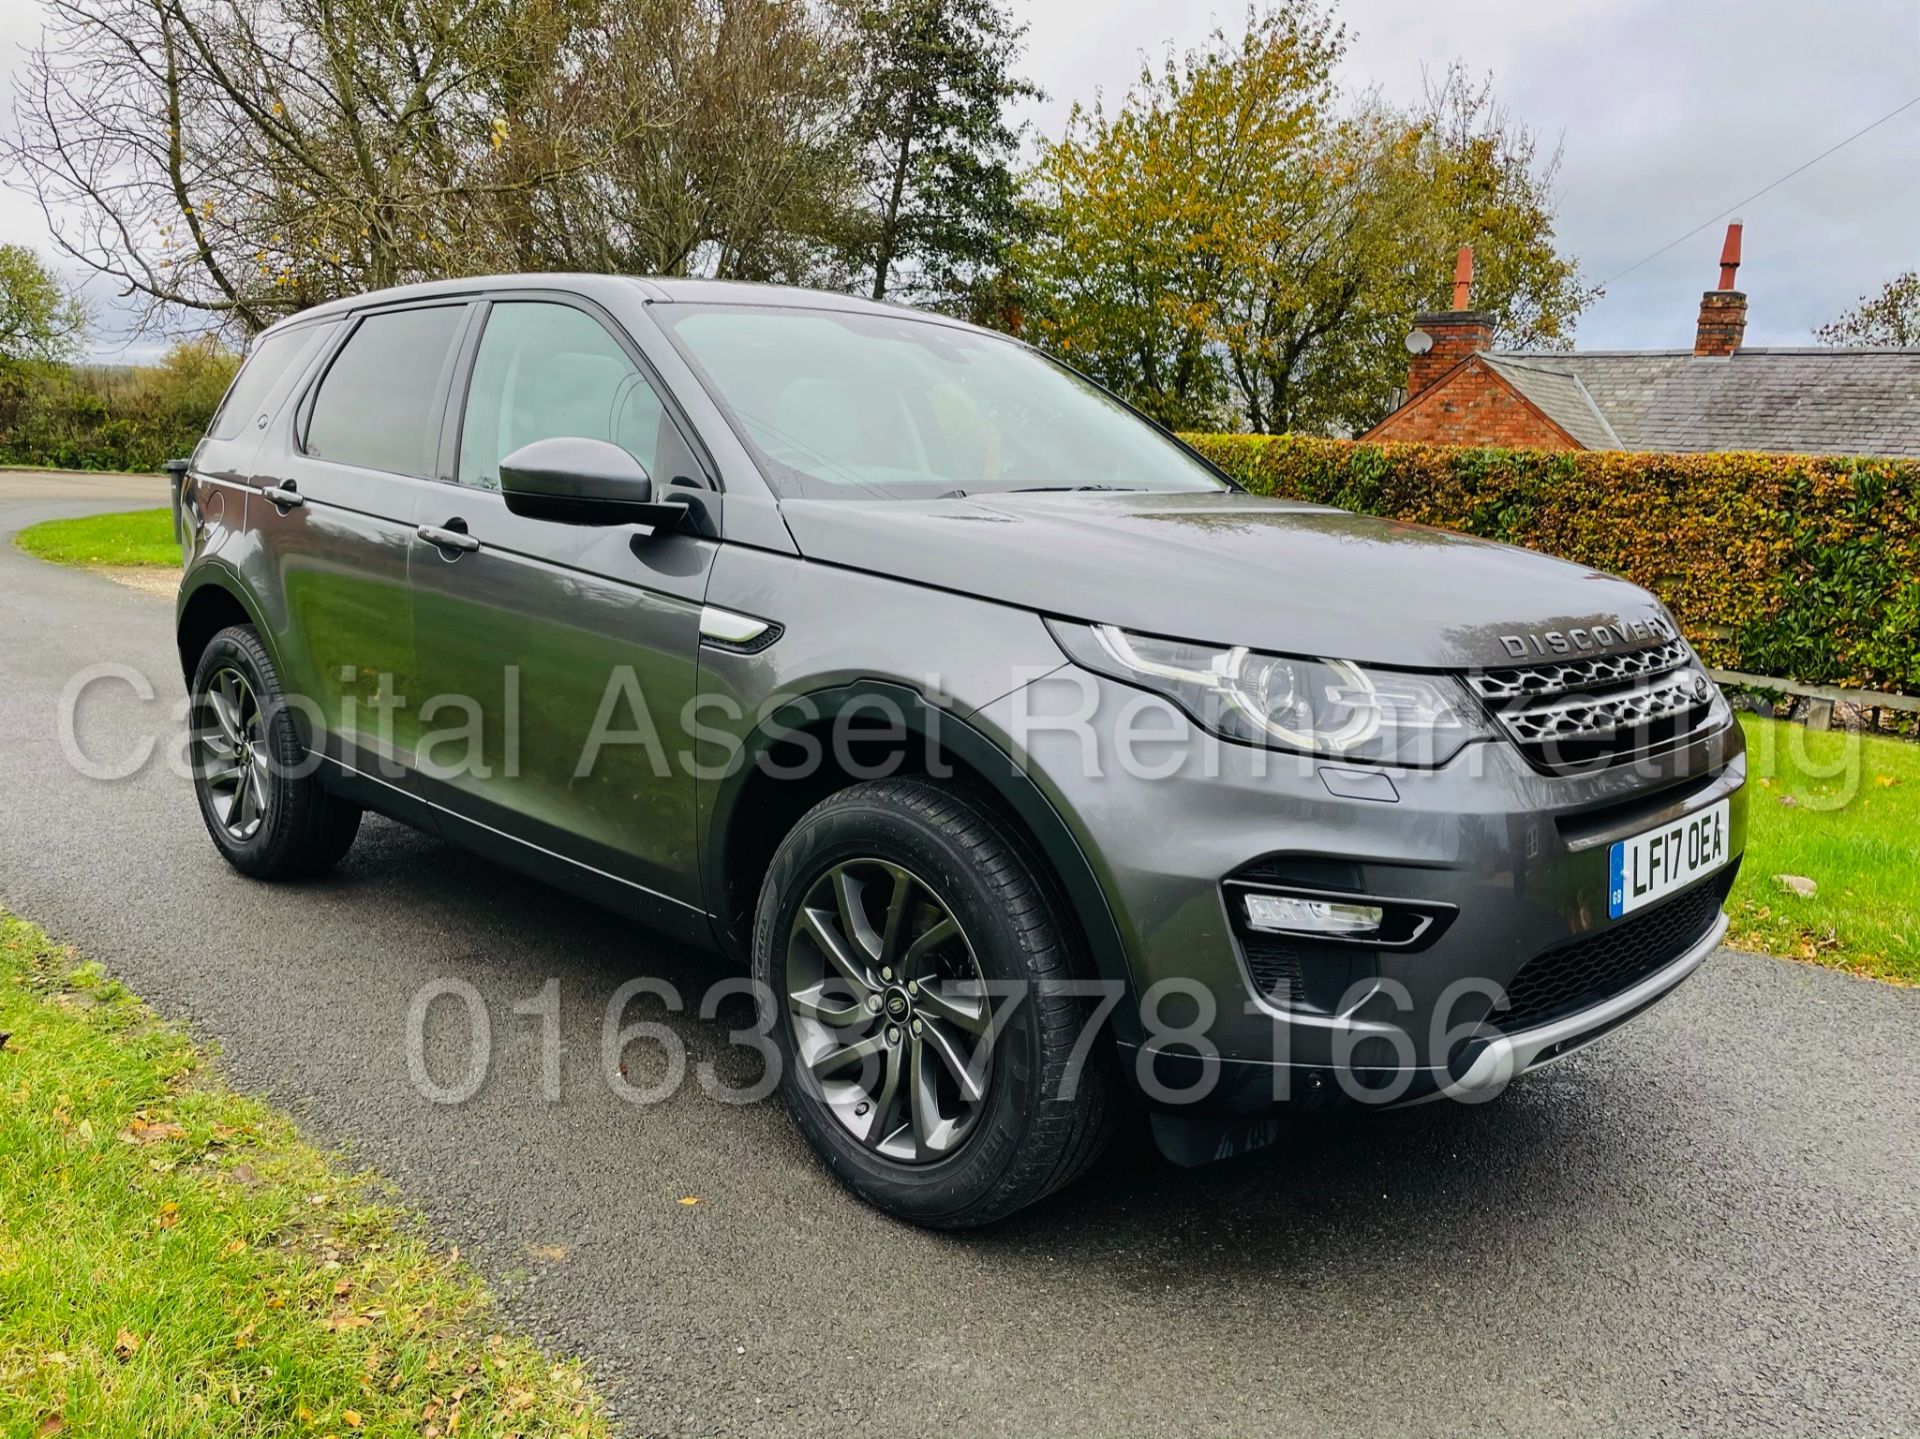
{"points": [[1842, 810], [175, 1260], [136, 539]]}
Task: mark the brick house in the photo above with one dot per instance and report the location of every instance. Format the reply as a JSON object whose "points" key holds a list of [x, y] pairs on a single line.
{"points": [[1717, 396]]}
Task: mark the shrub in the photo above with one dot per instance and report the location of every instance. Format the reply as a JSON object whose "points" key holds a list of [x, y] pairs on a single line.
{"points": [[90, 417], [1801, 567]]}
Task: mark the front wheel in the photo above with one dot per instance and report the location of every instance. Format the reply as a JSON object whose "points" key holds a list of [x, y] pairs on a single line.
{"points": [[929, 1048], [262, 801]]}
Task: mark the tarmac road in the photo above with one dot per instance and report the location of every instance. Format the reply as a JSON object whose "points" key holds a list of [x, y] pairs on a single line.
{"points": [[1710, 1223]]}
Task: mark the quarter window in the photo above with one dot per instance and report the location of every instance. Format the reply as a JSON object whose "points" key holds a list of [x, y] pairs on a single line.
{"points": [[547, 371], [269, 362], [375, 408]]}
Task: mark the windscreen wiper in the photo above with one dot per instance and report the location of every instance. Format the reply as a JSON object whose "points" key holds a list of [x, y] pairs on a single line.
{"points": [[1061, 489]]}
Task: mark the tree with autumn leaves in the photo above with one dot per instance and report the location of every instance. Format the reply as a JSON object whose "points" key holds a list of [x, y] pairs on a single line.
{"points": [[1888, 320], [1231, 246]]}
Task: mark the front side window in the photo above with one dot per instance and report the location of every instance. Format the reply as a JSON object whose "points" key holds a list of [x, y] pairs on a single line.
{"points": [[375, 408], [844, 404], [547, 371]]}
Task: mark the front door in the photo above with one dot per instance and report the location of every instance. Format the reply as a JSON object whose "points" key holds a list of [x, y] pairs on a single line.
{"points": [[557, 661]]}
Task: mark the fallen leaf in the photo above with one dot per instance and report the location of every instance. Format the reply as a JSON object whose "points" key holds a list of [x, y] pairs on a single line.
{"points": [[690, 1199], [169, 1215], [1797, 884], [126, 1344], [1789, 801], [552, 1253], [1885, 781], [84, 1131], [244, 1339], [350, 1418], [232, 1247], [50, 1426], [142, 1132], [338, 1322]]}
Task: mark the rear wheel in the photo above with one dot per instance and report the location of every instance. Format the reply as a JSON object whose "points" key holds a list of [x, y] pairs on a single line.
{"points": [[918, 957], [262, 802]]}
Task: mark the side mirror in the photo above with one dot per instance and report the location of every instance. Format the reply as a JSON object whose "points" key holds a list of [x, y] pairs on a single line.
{"points": [[583, 482]]}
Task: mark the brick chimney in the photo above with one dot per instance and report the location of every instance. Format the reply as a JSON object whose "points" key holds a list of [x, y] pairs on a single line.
{"points": [[1723, 312], [1442, 340]]}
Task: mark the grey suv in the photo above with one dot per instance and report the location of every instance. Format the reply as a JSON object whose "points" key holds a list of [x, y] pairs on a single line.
{"points": [[1036, 770]]}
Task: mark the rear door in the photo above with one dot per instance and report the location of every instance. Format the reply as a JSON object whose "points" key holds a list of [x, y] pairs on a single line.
{"points": [[334, 521], [559, 659]]}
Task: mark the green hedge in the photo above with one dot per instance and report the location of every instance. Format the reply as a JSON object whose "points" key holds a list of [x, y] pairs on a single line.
{"points": [[1800, 567], [100, 418]]}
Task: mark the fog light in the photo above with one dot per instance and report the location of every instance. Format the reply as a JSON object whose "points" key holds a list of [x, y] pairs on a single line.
{"points": [[1290, 914]]}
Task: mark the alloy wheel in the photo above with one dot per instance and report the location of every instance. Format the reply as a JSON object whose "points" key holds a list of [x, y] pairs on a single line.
{"points": [[889, 1010], [231, 756]]}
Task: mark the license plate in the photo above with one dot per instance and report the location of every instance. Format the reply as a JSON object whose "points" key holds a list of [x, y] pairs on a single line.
{"points": [[1653, 865]]}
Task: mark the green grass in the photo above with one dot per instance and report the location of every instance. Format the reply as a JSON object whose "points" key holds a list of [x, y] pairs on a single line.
{"points": [[139, 538], [174, 1260], [1844, 811]]}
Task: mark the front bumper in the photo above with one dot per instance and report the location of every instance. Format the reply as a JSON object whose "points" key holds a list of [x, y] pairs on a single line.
{"points": [[1491, 1065], [1516, 860]]}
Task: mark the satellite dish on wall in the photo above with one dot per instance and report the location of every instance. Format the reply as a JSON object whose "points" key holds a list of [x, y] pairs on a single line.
{"points": [[1419, 342]]}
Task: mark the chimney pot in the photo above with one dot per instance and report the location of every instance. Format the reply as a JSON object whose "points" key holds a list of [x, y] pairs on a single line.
{"points": [[1730, 255]]}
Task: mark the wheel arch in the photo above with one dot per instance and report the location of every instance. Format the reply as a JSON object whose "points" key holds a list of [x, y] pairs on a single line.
{"points": [[210, 600], [754, 808]]}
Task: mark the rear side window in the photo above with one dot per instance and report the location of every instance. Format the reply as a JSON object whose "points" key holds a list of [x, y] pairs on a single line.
{"points": [[270, 362], [375, 408]]}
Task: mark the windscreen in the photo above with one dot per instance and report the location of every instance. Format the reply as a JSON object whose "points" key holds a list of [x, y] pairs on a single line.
{"points": [[853, 405]]}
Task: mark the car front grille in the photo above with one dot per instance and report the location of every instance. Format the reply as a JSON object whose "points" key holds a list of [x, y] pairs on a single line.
{"points": [[1595, 967], [1602, 710]]}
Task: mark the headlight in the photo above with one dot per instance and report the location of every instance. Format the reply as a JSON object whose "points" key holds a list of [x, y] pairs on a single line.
{"points": [[1325, 707]]}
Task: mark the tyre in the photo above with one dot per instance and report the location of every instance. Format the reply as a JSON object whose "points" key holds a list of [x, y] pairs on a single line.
{"points": [[261, 800], [916, 950]]}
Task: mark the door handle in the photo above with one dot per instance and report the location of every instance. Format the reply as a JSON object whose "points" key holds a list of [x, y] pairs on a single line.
{"points": [[285, 497], [449, 538]]}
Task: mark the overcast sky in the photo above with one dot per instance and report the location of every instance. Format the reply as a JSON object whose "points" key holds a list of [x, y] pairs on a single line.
{"points": [[1668, 112]]}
